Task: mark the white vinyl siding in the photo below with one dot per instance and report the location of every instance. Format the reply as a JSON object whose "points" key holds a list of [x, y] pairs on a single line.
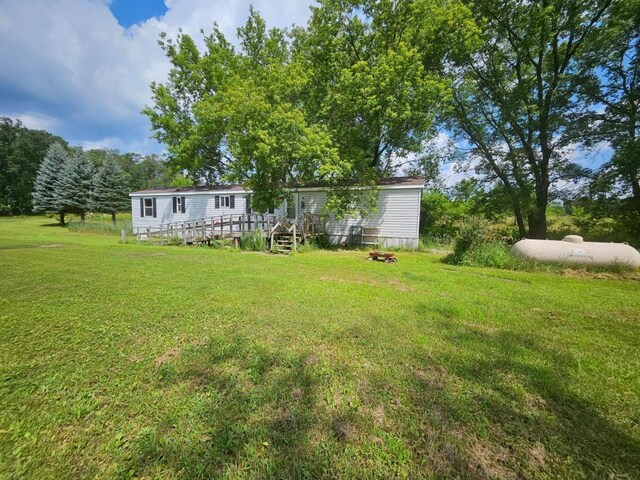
{"points": [[198, 206], [397, 215]]}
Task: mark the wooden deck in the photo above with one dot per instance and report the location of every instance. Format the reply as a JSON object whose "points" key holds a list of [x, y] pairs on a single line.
{"points": [[205, 230]]}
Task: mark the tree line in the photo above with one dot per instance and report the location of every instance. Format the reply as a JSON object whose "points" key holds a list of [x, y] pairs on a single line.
{"points": [[22, 154], [357, 94]]}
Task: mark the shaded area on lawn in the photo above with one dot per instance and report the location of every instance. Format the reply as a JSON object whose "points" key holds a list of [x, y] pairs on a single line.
{"points": [[505, 394], [265, 412], [497, 405]]}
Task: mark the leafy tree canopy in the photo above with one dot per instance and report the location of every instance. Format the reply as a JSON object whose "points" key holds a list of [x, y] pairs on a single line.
{"points": [[22, 150], [345, 100], [515, 99]]}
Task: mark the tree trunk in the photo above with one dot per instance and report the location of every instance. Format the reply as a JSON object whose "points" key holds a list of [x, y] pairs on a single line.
{"points": [[61, 218], [522, 232], [538, 223], [113, 218], [82, 217], [635, 190]]}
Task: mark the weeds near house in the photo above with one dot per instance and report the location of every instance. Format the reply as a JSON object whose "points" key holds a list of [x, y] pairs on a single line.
{"points": [[253, 241], [101, 226]]}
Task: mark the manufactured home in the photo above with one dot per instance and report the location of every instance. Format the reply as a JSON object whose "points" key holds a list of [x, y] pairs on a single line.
{"points": [[395, 222]]}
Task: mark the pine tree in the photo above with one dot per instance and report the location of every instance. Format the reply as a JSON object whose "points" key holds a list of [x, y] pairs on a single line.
{"points": [[77, 185], [48, 184], [111, 194]]}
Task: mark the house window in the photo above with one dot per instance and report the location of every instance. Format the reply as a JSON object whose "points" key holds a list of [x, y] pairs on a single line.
{"points": [[148, 207], [179, 204], [225, 201]]}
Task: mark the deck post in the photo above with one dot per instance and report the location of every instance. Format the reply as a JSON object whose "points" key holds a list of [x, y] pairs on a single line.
{"points": [[295, 238], [184, 234]]}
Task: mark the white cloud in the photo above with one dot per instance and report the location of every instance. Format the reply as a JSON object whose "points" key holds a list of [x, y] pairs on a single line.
{"points": [[68, 66], [34, 120]]}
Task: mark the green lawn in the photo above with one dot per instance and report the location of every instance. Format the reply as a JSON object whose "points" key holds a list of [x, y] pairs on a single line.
{"points": [[164, 362]]}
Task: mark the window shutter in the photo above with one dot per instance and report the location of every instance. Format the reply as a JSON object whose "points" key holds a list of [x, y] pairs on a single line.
{"points": [[141, 207], [184, 204], [217, 201], [154, 207], [232, 201], [175, 204]]}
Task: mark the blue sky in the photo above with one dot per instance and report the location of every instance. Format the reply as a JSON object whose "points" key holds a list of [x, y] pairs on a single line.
{"points": [[130, 12], [81, 68]]}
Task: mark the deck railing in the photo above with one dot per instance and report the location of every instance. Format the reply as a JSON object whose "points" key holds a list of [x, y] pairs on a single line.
{"points": [[230, 226]]}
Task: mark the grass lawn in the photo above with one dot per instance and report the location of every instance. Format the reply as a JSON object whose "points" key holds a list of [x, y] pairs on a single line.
{"points": [[164, 362]]}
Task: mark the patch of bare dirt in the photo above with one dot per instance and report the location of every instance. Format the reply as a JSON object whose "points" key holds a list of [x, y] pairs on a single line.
{"points": [[344, 430], [400, 286], [538, 454], [135, 358], [394, 282], [51, 245], [311, 360], [489, 462], [378, 415], [572, 273], [432, 377], [167, 356]]}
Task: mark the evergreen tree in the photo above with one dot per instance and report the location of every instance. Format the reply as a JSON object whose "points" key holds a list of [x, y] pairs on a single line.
{"points": [[48, 184], [76, 189], [111, 194], [21, 153]]}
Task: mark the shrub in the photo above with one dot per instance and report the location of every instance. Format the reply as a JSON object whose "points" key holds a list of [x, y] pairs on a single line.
{"points": [[478, 244], [473, 232], [253, 241], [440, 215], [174, 240], [491, 254]]}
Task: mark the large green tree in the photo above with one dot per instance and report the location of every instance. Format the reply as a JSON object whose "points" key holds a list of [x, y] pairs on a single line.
{"points": [[22, 150], [49, 181], [613, 114], [347, 99], [75, 191], [229, 115], [377, 74], [111, 191], [514, 98]]}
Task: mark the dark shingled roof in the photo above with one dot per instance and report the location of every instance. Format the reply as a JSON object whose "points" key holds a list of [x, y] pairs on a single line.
{"points": [[205, 188], [415, 181]]}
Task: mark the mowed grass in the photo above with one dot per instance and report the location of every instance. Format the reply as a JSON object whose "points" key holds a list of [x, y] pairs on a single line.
{"points": [[121, 361]]}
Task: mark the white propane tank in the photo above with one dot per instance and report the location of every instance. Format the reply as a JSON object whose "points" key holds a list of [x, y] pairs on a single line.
{"points": [[573, 249]]}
